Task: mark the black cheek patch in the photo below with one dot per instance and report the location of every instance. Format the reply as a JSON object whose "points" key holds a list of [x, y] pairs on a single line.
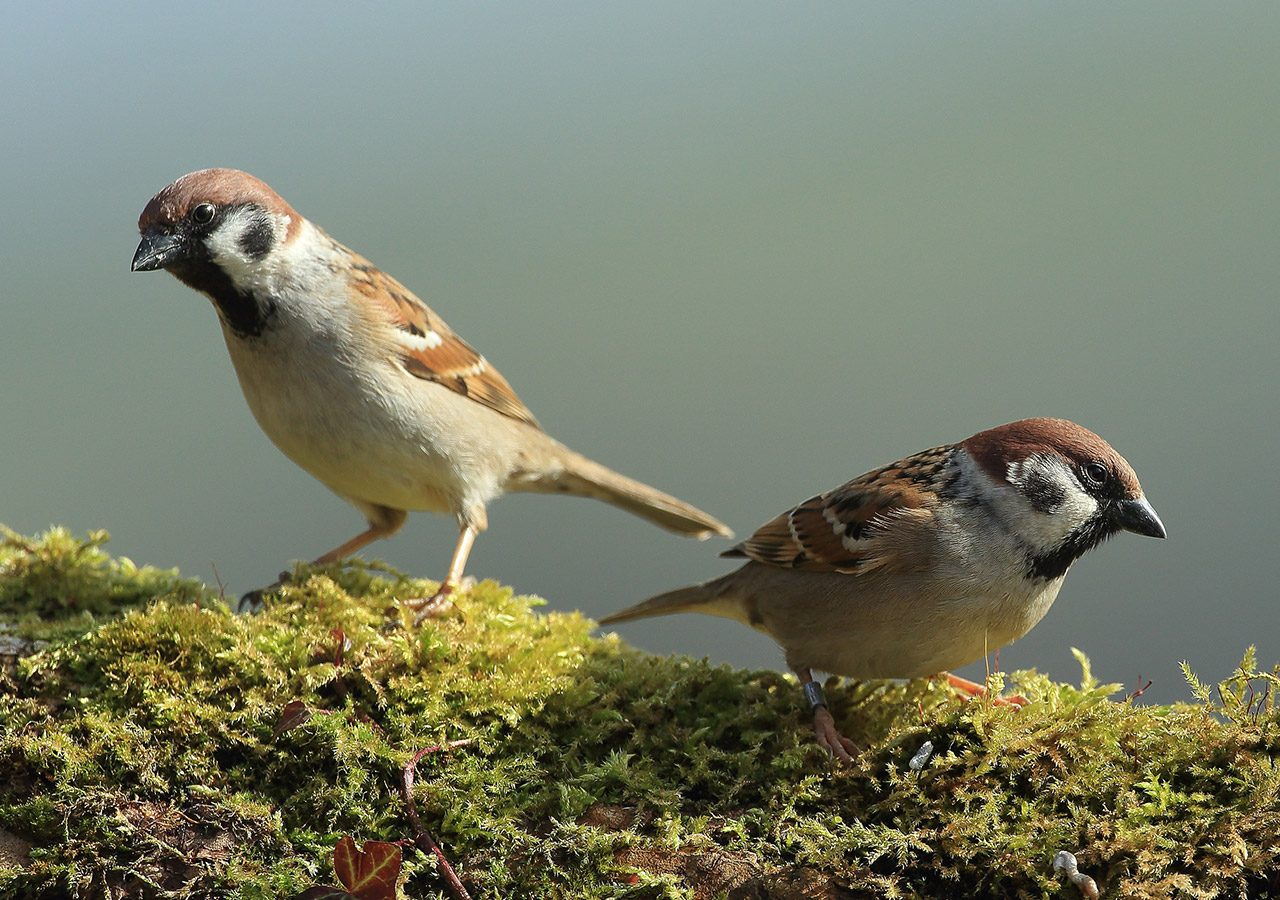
{"points": [[257, 240], [1042, 492]]}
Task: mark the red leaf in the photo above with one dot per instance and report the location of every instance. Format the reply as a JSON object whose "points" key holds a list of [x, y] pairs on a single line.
{"points": [[370, 873], [295, 712]]}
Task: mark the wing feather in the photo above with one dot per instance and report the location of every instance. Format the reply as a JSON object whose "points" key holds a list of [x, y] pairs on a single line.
{"points": [[429, 349], [872, 522]]}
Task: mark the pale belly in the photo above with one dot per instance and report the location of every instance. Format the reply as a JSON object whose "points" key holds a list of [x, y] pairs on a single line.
{"points": [[367, 443], [837, 631]]}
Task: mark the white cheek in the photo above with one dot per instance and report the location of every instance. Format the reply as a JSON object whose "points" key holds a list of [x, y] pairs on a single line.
{"points": [[247, 273], [1051, 529], [224, 243], [1074, 509], [1077, 509]]}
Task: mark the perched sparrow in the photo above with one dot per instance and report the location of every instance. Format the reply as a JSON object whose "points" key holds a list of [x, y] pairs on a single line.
{"points": [[357, 380], [928, 563]]}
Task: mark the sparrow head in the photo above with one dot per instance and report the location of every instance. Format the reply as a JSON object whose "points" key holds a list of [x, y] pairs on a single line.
{"points": [[1060, 488], [215, 217]]}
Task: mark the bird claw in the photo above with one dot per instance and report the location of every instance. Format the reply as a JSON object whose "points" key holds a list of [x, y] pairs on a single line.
{"points": [[252, 601], [430, 607], [1017, 701], [972, 690], [839, 746]]}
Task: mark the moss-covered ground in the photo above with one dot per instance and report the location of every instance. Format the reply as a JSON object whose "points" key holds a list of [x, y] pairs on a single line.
{"points": [[146, 751]]}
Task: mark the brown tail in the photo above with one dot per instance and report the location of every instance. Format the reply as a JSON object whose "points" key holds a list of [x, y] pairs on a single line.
{"points": [[587, 478], [679, 600]]}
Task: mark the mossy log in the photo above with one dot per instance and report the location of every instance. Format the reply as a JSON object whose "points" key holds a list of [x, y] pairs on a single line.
{"points": [[154, 744]]}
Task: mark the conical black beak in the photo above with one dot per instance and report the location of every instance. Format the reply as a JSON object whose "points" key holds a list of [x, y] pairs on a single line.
{"points": [[1137, 516], [157, 250]]}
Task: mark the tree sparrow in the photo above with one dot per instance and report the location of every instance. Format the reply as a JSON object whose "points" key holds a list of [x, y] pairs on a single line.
{"points": [[928, 563], [358, 381]]}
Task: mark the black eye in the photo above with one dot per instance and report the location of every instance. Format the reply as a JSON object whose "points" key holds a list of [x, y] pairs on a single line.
{"points": [[203, 214], [1095, 473]]}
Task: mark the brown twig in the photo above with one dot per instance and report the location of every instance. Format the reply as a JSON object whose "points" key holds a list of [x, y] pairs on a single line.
{"points": [[217, 578], [1134, 695], [421, 836], [1261, 706]]}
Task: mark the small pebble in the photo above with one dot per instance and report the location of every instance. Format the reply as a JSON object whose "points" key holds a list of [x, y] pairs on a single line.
{"points": [[922, 756], [1066, 862]]}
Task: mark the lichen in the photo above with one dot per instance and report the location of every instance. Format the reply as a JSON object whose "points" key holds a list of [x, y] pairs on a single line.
{"points": [[145, 752]]}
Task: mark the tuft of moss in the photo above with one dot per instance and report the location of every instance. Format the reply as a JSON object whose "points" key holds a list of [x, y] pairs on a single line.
{"points": [[144, 754], [56, 585]]}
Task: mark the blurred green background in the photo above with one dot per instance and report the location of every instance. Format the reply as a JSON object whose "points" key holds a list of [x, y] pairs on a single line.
{"points": [[742, 251]]}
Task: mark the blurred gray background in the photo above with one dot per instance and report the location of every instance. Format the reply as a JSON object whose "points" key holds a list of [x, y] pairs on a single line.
{"points": [[742, 251]]}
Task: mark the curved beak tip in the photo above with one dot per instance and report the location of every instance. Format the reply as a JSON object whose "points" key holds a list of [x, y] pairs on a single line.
{"points": [[155, 251], [145, 258], [1137, 516]]}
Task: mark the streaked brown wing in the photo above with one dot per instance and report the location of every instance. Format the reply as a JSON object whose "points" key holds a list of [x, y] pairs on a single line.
{"points": [[430, 350], [862, 525]]}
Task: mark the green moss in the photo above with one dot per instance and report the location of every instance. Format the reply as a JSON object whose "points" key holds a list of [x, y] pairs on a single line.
{"points": [[141, 754], [57, 585]]}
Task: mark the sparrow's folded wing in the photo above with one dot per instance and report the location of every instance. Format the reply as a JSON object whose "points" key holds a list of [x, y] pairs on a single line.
{"points": [[877, 521], [430, 350]]}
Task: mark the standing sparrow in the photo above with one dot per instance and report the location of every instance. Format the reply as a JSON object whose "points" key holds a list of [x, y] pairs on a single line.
{"points": [[358, 381], [928, 563]]}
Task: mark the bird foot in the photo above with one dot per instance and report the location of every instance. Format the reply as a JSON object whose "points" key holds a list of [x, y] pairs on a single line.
{"points": [[435, 605], [252, 601], [839, 746], [972, 690]]}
